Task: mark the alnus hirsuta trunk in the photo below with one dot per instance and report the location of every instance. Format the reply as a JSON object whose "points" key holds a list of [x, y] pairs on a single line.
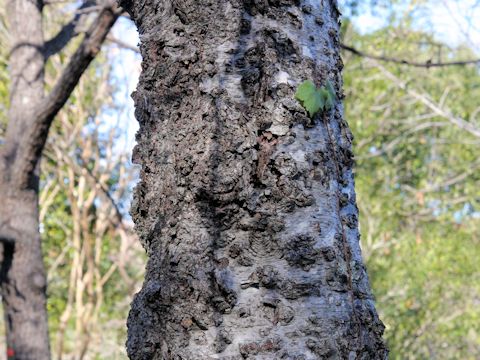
{"points": [[246, 206]]}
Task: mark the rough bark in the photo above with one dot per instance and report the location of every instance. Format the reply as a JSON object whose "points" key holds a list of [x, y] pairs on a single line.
{"points": [[246, 206], [22, 276]]}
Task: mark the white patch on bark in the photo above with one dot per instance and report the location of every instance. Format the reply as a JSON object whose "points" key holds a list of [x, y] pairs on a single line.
{"points": [[282, 77]]}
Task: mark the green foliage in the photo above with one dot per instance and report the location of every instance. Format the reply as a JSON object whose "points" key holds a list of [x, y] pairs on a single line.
{"points": [[314, 99], [418, 191]]}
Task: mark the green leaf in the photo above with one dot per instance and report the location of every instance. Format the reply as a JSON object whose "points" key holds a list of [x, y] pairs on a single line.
{"points": [[309, 96], [330, 96], [314, 103], [314, 99], [305, 89], [331, 90], [329, 100]]}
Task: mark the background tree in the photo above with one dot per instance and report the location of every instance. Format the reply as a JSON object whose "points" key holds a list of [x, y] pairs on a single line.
{"points": [[246, 206], [84, 162], [30, 115]]}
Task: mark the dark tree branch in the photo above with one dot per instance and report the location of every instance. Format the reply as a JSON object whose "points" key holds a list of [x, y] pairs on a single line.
{"points": [[68, 31], [29, 154], [428, 64]]}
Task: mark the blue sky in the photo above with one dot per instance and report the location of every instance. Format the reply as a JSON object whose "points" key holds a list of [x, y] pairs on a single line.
{"points": [[451, 21], [126, 70]]}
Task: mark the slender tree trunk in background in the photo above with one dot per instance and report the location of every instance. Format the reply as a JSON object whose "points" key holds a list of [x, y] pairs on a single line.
{"points": [[22, 272], [23, 279], [246, 206]]}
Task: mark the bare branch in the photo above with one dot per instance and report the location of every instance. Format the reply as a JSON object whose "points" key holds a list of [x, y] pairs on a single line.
{"points": [[37, 134], [457, 121], [68, 31], [122, 44], [428, 64]]}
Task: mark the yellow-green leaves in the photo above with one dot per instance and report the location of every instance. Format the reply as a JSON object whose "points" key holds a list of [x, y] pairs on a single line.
{"points": [[310, 97], [314, 99]]}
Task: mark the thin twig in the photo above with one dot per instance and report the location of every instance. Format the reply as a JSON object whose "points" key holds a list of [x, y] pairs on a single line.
{"points": [[427, 64]]}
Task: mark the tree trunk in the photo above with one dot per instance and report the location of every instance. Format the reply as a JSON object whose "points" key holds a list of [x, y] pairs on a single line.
{"points": [[246, 206], [22, 274]]}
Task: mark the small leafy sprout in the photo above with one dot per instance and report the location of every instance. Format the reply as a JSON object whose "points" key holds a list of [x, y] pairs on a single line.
{"points": [[314, 99]]}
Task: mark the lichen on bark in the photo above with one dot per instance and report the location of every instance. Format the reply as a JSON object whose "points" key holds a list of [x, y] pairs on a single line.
{"points": [[246, 206]]}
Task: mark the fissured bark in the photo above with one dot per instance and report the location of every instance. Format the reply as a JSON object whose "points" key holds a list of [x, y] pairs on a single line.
{"points": [[246, 206]]}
